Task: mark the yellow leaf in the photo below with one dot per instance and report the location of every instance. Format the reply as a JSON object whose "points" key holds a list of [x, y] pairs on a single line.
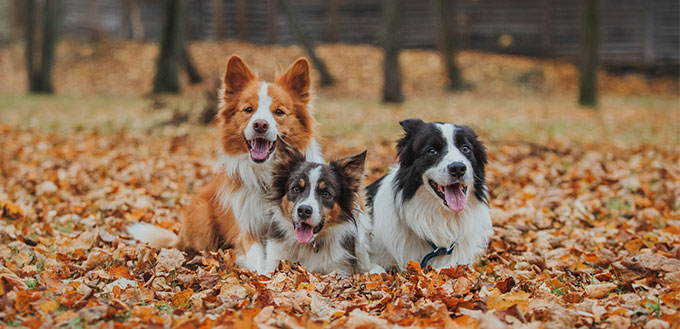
{"points": [[306, 286], [49, 306], [502, 302]]}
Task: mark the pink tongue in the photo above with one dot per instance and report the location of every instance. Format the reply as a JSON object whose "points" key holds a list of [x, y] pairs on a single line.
{"points": [[304, 233], [260, 149], [455, 198]]}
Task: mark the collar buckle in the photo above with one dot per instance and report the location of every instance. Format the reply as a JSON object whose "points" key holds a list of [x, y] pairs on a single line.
{"points": [[436, 252]]}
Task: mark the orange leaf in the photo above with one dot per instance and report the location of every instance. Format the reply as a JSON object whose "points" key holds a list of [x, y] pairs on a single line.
{"points": [[466, 321], [23, 302], [414, 266], [245, 319], [180, 299], [32, 323], [591, 258], [633, 245], [116, 291], [143, 313], [10, 210], [120, 271]]}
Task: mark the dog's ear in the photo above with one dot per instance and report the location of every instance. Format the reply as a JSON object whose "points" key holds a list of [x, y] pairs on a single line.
{"points": [[351, 168], [287, 157], [296, 80], [286, 154], [411, 126], [238, 75]]}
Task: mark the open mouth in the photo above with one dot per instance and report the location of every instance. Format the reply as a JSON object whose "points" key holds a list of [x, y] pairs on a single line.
{"points": [[304, 233], [453, 195], [260, 148]]}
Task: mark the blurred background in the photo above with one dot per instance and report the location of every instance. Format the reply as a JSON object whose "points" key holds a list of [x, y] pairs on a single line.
{"points": [[542, 71]]}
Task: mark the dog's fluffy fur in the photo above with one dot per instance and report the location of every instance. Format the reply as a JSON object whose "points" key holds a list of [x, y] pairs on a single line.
{"points": [[436, 193], [230, 212], [315, 214]]}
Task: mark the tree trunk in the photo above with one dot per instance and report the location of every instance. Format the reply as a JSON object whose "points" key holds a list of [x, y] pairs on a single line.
{"points": [[590, 39], [219, 20], [333, 20], [307, 43], [241, 20], [167, 70], [17, 19], [50, 37], [192, 71], [442, 16], [40, 48], [135, 18], [30, 12], [391, 43]]}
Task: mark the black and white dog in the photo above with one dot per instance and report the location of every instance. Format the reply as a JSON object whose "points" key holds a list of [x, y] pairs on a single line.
{"points": [[432, 207], [316, 209]]}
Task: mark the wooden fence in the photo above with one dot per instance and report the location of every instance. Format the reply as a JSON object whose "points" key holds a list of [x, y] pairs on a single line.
{"points": [[634, 32]]}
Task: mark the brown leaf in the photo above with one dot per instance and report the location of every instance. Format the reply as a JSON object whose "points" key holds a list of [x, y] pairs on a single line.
{"points": [[599, 290], [652, 262], [505, 285], [169, 260]]}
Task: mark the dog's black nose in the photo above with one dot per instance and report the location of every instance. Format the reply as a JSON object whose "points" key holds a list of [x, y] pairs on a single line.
{"points": [[261, 126], [304, 212], [457, 169]]}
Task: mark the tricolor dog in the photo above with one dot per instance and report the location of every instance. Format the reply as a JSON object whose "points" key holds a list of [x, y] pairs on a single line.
{"points": [[316, 209], [230, 212], [432, 207]]}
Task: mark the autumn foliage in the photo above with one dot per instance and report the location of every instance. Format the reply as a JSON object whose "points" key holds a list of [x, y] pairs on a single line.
{"points": [[585, 235]]}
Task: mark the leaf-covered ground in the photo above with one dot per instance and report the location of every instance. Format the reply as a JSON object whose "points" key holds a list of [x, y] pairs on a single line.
{"points": [[585, 209]]}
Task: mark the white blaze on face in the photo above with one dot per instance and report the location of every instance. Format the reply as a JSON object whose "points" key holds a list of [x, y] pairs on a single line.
{"points": [[449, 187], [304, 228], [263, 112]]}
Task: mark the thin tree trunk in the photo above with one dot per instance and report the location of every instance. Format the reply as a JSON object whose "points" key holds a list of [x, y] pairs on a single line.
{"points": [[241, 20], [29, 40], [167, 70], [589, 54], [50, 37], [192, 70], [391, 44], [307, 43], [135, 18], [333, 20], [17, 19], [442, 14], [219, 20]]}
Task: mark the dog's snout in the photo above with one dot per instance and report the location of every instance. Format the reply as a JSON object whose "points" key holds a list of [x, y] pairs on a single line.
{"points": [[261, 126], [304, 212], [457, 169]]}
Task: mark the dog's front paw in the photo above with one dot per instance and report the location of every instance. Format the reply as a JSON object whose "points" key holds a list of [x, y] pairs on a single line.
{"points": [[376, 269]]}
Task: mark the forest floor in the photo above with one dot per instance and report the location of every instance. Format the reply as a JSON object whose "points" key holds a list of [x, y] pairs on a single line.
{"points": [[585, 203]]}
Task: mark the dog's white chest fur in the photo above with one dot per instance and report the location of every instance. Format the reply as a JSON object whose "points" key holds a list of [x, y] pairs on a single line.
{"points": [[401, 230], [248, 201]]}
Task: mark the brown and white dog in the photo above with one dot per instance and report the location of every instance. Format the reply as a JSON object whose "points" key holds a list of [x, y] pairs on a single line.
{"points": [[230, 212]]}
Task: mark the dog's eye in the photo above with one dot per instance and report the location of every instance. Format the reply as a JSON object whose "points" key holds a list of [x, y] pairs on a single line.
{"points": [[296, 189], [432, 151], [326, 195], [278, 112], [465, 149], [249, 109]]}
